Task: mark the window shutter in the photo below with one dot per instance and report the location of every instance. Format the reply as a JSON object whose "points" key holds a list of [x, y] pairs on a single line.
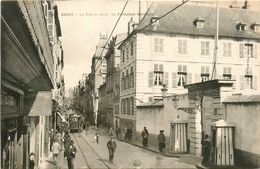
{"points": [[50, 24], [156, 67], [189, 78], [150, 79], [229, 70], [224, 70], [184, 68], [161, 67], [174, 80], [241, 50], [166, 79], [255, 50], [179, 68], [235, 83], [202, 69], [241, 82], [197, 78], [254, 82]]}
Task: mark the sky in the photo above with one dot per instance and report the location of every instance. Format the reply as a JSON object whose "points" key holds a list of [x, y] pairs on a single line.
{"points": [[82, 22]]}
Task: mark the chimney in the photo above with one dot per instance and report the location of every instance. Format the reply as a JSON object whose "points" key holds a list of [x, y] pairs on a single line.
{"points": [[130, 26], [234, 4], [246, 6]]}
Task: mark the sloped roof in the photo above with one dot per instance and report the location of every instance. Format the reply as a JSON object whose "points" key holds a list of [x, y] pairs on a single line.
{"points": [[242, 99], [181, 21], [100, 46], [120, 37]]}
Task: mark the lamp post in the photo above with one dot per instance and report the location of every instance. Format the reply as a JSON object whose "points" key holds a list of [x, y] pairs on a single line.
{"points": [[164, 91]]}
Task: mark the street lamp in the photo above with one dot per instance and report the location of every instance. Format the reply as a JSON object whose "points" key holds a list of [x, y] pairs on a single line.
{"points": [[164, 91], [175, 99]]}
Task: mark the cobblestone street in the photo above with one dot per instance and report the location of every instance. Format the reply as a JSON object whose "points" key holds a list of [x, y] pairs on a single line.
{"points": [[95, 155]]}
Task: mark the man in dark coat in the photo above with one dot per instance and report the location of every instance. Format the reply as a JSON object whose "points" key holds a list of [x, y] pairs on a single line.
{"points": [[111, 145], [145, 135], [70, 154], [161, 139], [66, 139], [206, 145]]}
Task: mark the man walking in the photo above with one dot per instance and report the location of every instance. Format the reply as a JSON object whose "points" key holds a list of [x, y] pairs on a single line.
{"points": [[56, 148], [111, 145], [145, 135], [161, 139], [206, 145], [70, 154]]}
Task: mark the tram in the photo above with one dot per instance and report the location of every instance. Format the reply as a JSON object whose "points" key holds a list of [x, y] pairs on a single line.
{"points": [[75, 123]]}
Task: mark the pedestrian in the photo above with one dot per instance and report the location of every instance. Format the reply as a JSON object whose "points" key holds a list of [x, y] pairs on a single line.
{"points": [[97, 136], [161, 139], [59, 139], [70, 154], [31, 161], [66, 139], [206, 146], [129, 134], [117, 131], [56, 148], [111, 131], [111, 145], [145, 135], [52, 136]]}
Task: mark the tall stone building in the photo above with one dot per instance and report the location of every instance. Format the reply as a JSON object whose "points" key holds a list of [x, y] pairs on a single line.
{"points": [[179, 49], [30, 31]]}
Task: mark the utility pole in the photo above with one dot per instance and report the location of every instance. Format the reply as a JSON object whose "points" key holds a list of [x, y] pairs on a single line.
{"points": [[214, 70], [139, 14]]}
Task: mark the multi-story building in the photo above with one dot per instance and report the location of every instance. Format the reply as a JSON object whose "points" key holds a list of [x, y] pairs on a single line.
{"points": [[27, 78], [98, 71], [179, 49], [113, 80]]}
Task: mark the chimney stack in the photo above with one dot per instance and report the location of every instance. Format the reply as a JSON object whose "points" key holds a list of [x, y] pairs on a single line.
{"points": [[130, 26]]}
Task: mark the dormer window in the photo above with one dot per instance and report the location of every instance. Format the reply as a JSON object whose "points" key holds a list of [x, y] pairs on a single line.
{"points": [[199, 22], [155, 20], [256, 27], [241, 27]]}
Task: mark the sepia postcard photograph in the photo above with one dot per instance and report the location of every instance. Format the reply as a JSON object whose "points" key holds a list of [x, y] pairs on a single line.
{"points": [[130, 84]]}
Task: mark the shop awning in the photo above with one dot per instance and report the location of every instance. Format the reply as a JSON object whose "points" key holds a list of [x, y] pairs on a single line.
{"points": [[42, 105]]}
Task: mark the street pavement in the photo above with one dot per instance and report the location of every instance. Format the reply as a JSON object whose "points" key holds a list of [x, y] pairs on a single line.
{"points": [[95, 155]]}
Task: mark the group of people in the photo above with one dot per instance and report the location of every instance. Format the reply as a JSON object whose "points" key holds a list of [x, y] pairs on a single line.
{"points": [[161, 139], [63, 140]]}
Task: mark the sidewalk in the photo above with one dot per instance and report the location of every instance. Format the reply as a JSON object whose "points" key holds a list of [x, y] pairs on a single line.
{"points": [[49, 164], [187, 158]]}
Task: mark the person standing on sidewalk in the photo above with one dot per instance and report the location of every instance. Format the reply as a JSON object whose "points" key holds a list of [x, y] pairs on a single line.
{"points": [[161, 139], [97, 136], [111, 145], [66, 139], [111, 131], [206, 146], [56, 148], [145, 135], [70, 154]]}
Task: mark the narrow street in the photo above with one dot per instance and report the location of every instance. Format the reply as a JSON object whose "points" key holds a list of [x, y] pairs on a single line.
{"points": [[95, 155]]}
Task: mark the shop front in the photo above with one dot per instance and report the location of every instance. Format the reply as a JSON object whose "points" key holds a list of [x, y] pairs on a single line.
{"points": [[12, 138]]}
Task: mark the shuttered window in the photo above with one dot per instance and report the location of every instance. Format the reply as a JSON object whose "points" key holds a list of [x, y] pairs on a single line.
{"points": [[241, 50], [50, 24], [174, 80], [166, 77], [150, 79]]}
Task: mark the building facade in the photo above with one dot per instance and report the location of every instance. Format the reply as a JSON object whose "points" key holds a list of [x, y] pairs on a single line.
{"points": [[178, 50], [27, 80], [113, 80], [98, 72]]}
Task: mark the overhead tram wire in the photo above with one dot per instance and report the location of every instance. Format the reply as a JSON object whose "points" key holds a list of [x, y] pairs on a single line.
{"points": [[139, 30], [110, 37]]}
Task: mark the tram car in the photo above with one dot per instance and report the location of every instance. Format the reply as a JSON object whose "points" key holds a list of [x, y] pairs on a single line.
{"points": [[75, 123]]}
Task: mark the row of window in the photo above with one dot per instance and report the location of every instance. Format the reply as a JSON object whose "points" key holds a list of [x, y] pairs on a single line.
{"points": [[127, 80], [127, 52], [246, 49], [181, 78], [127, 106]]}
